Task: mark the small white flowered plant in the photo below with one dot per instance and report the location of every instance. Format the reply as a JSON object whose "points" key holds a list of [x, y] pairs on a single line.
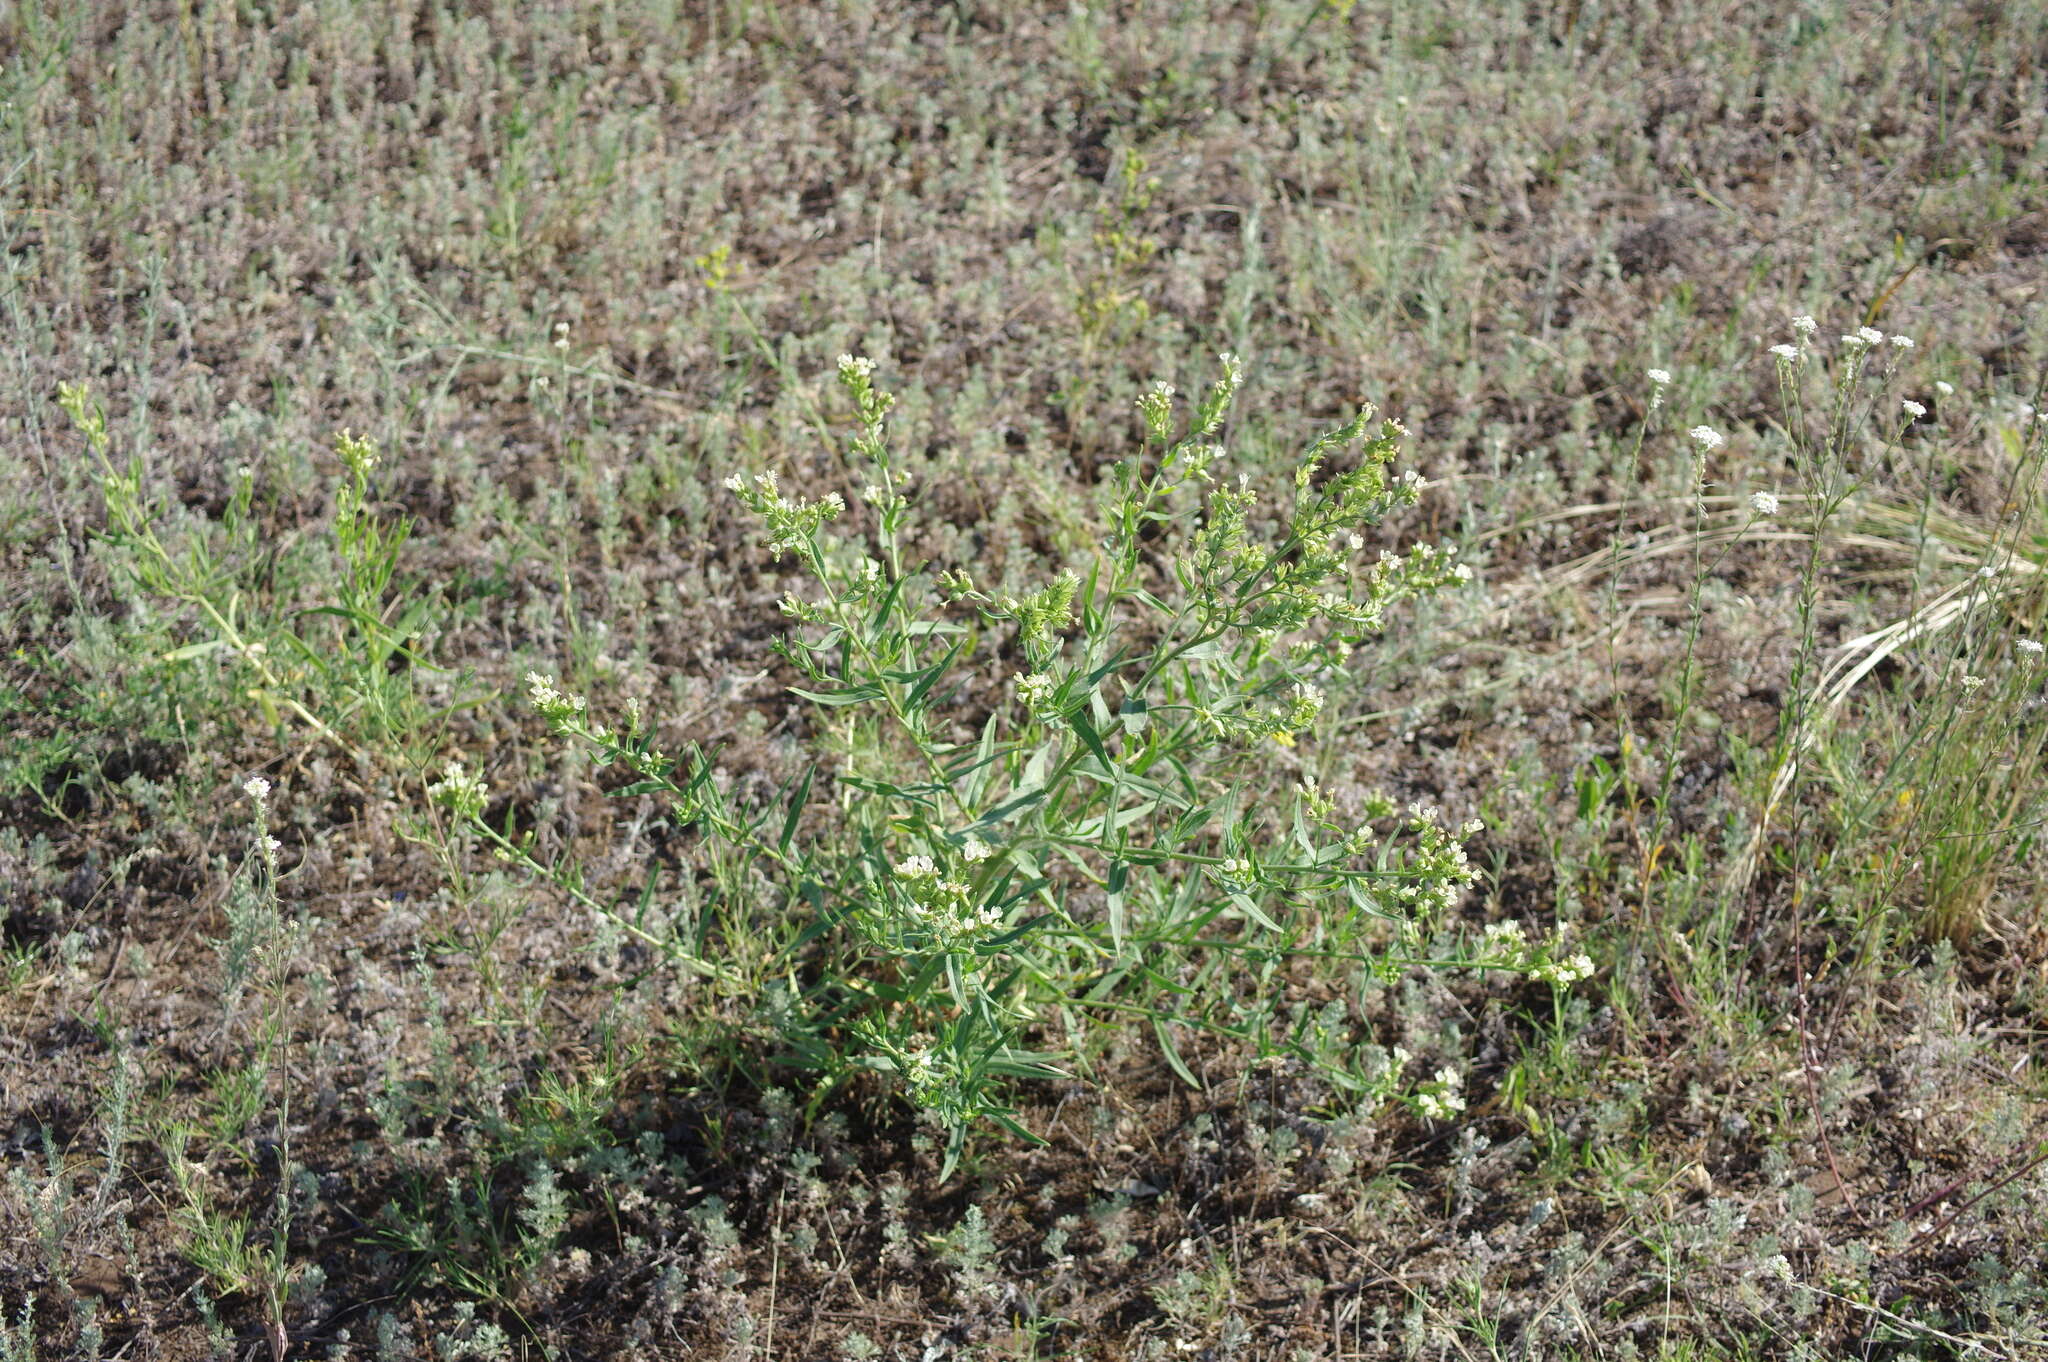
{"points": [[463, 793], [1128, 777], [1442, 1097], [1763, 503], [1706, 437]]}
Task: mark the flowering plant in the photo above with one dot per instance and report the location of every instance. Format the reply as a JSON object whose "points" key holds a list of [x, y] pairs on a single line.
{"points": [[1089, 843]]}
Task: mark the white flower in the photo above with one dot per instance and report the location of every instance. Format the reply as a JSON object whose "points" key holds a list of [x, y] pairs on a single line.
{"points": [[859, 365], [1987, 572], [1913, 409], [1902, 342], [1565, 973], [272, 846], [2031, 647], [1945, 388], [1763, 503], [1788, 353], [1870, 335], [1660, 376], [257, 787], [1706, 437], [1035, 690], [1805, 325], [916, 868], [1443, 1100], [974, 851], [1972, 682], [1505, 938], [460, 790]]}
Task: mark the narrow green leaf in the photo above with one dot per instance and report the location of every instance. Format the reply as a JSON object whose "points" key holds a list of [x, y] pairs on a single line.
{"points": [[1081, 725], [852, 695], [984, 765], [1251, 910], [1172, 1051], [1119, 876], [796, 810], [915, 700]]}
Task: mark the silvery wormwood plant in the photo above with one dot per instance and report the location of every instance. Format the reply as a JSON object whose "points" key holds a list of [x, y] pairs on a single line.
{"points": [[1104, 845]]}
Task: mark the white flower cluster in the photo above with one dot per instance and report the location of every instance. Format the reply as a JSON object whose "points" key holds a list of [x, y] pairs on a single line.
{"points": [[460, 791], [1659, 380], [1443, 1097], [936, 912], [791, 523], [257, 788], [560, 709], [1506, 946], [1304, 704], [1763, 503], [1035, 689], [1564, 972], [1856, 342], [1236, 870], [1437, 869], [1157, 409], [1707, 438]]}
